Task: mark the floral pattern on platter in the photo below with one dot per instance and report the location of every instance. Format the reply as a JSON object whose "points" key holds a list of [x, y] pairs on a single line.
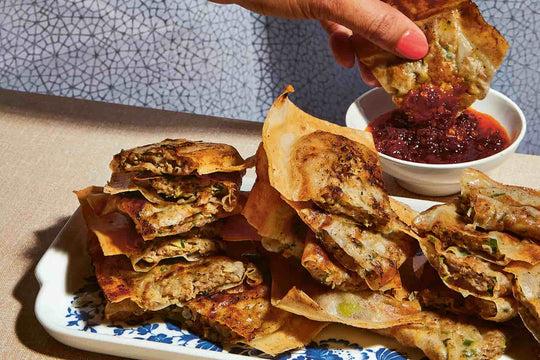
{"points": [[87, 306]]}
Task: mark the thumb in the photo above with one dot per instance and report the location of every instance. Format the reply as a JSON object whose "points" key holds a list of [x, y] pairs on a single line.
{"points": [[379, 23]]}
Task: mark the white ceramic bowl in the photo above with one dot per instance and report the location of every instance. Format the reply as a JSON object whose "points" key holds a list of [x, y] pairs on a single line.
{"points": [[437, 179]]}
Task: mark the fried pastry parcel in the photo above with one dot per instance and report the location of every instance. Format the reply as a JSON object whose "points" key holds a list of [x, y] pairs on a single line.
{"points": [[331, 177], [117, 235], [294, 290], [443, 299], [464, 272], [468, 244], [153, 220], [326, 270], [335, 167], [248, 313], [242, 314], [445, 337], [169, 187], [221, 189], [375, 256], [464, 53], [494, 206], [433, 294], [281, 229], [180, 157], [527, 293], [452, 229], [285, 233], [169, 284]]}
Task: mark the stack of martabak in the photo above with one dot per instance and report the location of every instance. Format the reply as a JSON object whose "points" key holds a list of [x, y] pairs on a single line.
{"points": [[323, 243], [340, 249], [155, 239], [485, 247]]}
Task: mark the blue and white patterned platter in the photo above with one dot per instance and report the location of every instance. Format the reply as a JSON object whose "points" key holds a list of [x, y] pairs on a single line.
{"points": [[70, 304], [84, 314]]}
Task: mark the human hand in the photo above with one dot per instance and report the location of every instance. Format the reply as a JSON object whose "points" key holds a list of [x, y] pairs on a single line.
{"points": [[374, 20]]}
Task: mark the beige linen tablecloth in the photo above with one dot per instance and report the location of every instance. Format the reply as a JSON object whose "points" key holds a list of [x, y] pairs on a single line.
{"points": [[50, 146]]}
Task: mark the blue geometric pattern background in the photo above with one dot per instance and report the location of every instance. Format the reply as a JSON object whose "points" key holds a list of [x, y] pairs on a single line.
{"points": [[196, 56]]}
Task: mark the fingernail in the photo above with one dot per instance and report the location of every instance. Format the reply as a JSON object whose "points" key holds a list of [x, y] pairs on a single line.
{"points": [[412, 45]]}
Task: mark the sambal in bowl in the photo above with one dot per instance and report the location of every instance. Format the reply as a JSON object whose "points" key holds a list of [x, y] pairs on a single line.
{"points": [[426, 153]]}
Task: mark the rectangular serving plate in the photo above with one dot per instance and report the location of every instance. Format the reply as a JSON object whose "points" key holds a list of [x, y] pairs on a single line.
{"points": [[69, 307]]}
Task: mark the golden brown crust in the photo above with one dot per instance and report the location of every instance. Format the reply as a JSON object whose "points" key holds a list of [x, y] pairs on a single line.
{"points": [[242, 310], [295, 291], [443, 337], [219, 188], [404, 212], [473, 180], [527, 293], [326, 270], [312, 160], [464, 272], [180, 157], [186, 246], [491, 214], [341, 176], [117, 235], [246, 314], [446, 224], [115, 231], [170, 284], [374, 256], [439, 297], [278, 224], [464, 52], [494, 206], [153, 220], [239, 315]]}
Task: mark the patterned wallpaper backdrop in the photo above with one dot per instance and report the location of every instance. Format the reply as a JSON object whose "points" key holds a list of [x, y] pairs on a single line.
{"points": [[195, 56]]}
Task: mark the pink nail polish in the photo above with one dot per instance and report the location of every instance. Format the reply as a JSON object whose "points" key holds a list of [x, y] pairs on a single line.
{"points": [[412, 45]]}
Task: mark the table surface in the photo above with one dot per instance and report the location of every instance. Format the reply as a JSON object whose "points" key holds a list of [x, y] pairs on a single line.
{"points": [[51, 146]]}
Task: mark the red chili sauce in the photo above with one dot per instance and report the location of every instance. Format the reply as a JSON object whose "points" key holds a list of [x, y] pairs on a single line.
{"points": [[434, 134]]}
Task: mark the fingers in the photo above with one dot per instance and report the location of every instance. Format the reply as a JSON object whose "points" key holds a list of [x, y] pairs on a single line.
{"points": [[342, 47], [373, 19], [339, 38], [379, 23]]}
